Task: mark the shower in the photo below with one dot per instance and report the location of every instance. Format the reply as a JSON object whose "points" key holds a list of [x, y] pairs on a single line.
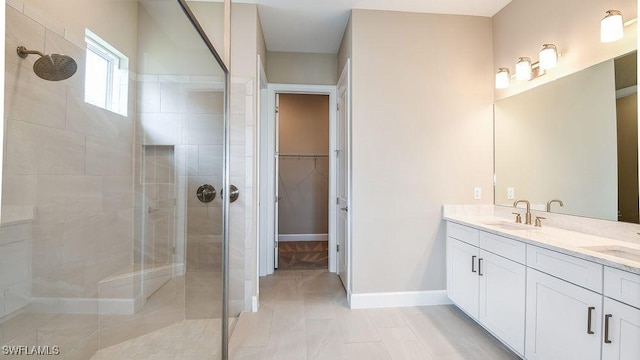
{"points": [[53, 67]]}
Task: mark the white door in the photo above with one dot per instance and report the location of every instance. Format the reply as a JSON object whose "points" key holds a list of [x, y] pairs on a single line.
{"points": [[563, 320], [342, 176], [277, 183], [621, 334], [462, 275], [502, 298]]}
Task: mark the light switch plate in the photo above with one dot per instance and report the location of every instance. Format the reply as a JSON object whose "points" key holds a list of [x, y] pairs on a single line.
{"points": [[511, 193]]}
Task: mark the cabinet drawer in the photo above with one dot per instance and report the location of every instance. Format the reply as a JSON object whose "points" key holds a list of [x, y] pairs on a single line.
{"points": [[578, 271], [463, 233], [622, 286], [505, 247]]}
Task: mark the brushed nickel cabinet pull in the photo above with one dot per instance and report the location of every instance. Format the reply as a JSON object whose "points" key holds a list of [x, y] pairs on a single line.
{"points": [[589, 312], [606, 328], [480, 267], [473, 263]]}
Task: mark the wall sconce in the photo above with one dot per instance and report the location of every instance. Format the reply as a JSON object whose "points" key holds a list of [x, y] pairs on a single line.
{"points": [[523, 69], [611, 27], [548, 56], [503, 78]]}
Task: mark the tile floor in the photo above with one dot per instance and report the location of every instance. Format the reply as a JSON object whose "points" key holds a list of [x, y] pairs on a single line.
{"points": [[304, 315]]}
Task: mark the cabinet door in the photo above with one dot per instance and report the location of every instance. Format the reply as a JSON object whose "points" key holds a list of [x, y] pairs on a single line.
{"points": [[623, 331], [462, 275], [557, 319], [502, 298]]}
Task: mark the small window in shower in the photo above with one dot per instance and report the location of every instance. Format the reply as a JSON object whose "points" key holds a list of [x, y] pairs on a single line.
{"points": [[106, 81]]}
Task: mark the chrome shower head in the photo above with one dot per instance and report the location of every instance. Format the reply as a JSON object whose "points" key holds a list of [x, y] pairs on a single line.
{"points": [[54, 67]]}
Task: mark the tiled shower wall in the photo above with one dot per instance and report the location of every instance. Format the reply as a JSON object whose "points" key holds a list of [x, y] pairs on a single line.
{"points": [[71, 162], [185, 114]]}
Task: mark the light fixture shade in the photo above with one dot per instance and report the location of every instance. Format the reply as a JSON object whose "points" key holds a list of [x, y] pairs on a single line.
{"points": [[611, 27], [523, 69], [502, 78], [548, 57]]}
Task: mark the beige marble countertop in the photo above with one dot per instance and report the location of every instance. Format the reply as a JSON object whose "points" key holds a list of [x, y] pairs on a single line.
{"points": [[565, 241]]}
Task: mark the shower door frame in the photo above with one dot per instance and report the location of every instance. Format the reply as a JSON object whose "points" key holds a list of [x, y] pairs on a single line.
{"points": [[225, 175]]}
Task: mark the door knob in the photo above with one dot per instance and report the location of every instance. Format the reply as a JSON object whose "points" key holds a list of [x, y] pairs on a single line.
{"points": [[206, 193]]}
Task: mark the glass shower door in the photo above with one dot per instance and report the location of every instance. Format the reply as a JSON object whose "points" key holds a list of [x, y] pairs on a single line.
{"points": [[182, 143]]}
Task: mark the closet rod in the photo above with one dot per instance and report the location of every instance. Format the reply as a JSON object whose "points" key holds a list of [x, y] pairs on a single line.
{"points": [[301, 156]]}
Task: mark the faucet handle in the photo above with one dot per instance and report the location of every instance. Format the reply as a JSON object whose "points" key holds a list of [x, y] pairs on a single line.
{"points": [[518, 217], [539, 221]]}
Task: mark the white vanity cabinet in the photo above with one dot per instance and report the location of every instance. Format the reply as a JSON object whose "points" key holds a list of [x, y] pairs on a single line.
{"points": [[462, 276], [563, 319], [502, 298], [488, 287], [621, 324], [621, 331], [544, 304]]}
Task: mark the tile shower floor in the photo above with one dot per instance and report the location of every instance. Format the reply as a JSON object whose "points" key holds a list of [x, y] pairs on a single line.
{"points": [[304, 315]]}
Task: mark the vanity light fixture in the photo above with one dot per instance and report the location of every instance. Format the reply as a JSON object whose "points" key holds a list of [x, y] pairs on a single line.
{"points": [[523, 68], [502, 78], [611, 26], [528, 70], [548, 56]]}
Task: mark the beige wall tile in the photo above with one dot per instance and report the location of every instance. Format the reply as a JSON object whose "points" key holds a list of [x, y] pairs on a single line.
{"points": [[15, 233], [118, 193], [65, 281], [17, 296], [67, 197], [172, 98], [22, 30], [108, 157], [91, 120], [210, 160], [15, 264], [148, 96], [160, 129], [31, 99], [205, 102], [34, 149], [204, 129], [19, 189]]}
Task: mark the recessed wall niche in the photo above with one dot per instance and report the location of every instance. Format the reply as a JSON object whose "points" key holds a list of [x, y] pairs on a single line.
{"points": [[159, 164]]}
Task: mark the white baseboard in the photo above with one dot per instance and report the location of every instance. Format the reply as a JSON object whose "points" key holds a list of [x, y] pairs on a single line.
{"points": [[303, 237], [399, 299]]}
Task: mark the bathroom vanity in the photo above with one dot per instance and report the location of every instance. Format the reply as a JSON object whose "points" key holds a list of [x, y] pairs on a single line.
{"points": [[545, 292]]}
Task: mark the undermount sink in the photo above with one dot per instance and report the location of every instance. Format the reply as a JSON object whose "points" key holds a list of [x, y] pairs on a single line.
{"points": [[618, 251], [505, 225]]}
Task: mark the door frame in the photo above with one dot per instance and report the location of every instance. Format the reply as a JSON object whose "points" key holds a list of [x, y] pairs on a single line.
{"points": [[345, 80], [267, 161]]}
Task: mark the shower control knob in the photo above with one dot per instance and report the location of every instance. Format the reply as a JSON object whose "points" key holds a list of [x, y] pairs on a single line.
{"points": [[234, 193], [206, 193]]}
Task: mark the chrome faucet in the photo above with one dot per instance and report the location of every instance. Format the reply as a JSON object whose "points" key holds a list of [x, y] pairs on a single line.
{"points": [[552, 201], [528, 214]]}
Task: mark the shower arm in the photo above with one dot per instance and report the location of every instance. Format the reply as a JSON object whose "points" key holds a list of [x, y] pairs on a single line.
{"points": [[23, 52]]}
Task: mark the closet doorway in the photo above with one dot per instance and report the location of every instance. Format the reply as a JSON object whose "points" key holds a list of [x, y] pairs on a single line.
{"points": [[303, 181], [269, 179]]}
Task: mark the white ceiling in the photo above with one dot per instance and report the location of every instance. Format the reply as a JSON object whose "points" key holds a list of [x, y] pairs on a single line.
{"points": [[316, 26]]}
